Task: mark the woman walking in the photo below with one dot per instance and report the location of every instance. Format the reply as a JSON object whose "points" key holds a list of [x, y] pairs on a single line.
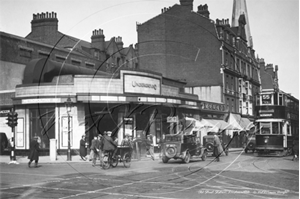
{"points": [[34, 151], [82, 148]]}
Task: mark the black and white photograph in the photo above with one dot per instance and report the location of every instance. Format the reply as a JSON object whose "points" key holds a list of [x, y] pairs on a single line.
{"points": [[149, 99]]}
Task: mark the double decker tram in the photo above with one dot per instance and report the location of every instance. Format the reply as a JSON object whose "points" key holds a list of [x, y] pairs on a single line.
{"points": [[277, 124]]}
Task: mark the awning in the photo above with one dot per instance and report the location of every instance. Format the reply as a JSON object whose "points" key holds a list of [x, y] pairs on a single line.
{"points": [[240, 123], [219, 125]]}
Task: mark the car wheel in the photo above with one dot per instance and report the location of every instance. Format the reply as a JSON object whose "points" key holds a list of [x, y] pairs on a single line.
{"points": [[187, 157]]}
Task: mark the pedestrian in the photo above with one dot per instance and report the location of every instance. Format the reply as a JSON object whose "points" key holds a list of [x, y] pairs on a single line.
{"points": [[149, 146], [137, 145], [82, 149], [217, 148], [34, 151], [127, 142], [295, 148], [96, 149], [108, 144], [245, 140]]}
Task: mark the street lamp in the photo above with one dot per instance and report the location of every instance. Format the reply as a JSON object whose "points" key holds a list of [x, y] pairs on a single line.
{"points": [[68, 104]]}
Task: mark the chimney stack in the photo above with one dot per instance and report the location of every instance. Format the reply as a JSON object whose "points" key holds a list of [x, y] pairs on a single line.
{"points": [[98, 40], [119, 42], [187, 3], [44, 22], [203, 10]]}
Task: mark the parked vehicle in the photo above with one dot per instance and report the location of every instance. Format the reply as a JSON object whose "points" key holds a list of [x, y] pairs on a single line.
{"points": [[182, 147], [3, 141]]}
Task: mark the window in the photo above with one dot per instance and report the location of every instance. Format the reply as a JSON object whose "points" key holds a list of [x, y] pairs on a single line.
{"points": [[265, 128], [280, 99], [25, 51], [232, 105], [275, 98]]}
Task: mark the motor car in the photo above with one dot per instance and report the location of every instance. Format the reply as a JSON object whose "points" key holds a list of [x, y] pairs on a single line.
{"points": [[4, 142], [184, 147], [251, 144]]}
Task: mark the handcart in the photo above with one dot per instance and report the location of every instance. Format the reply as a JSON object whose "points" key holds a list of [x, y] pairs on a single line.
{"points": [[123, 154]]}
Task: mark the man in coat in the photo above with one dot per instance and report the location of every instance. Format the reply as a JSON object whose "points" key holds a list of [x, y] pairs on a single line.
{"points": [[96, 149], [108, 144], [34, 151], [217, 148]]}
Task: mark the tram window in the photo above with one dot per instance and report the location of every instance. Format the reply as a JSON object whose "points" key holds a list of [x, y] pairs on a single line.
{"points": [[275, 128], [280, 99], [275, 99], [265, 127]]}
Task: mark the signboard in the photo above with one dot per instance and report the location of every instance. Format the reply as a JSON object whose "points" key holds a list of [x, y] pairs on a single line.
{"points": [[141, 84], [41, 100], [172, 119], [266, 99]]}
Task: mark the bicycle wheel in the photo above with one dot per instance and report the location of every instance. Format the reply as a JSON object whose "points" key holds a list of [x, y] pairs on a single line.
{"points": [[114, 161], [106, 163], [126, 160]]}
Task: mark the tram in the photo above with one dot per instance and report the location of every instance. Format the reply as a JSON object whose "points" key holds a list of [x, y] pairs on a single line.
{"points": [[273, 137], [277, 124]]}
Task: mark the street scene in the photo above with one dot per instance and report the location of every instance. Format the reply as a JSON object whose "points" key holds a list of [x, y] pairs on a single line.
{"points": [[161, 99], [237, 175]]}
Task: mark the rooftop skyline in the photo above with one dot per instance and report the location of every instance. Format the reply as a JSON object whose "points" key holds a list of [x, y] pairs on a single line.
{"points": [[274, 24]]}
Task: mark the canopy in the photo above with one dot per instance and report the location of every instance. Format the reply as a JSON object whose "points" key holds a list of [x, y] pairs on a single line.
{"points": [[240, 123], [219, 125]]}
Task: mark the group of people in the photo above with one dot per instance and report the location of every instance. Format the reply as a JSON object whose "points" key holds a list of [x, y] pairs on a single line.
{"points": [[100, 145], [103, 144]]}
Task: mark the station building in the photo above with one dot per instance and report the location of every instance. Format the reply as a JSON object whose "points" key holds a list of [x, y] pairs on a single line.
{"points": [[137, 102]]}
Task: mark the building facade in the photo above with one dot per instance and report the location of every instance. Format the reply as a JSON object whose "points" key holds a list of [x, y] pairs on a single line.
{"points": [[101, 78], [212, 57]]}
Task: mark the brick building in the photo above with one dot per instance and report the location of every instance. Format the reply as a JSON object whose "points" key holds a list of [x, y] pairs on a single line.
{"points": [[212, 57], [102, 79]]}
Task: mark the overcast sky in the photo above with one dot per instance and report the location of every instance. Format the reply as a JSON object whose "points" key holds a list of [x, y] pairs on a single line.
{"points": [[274, 24]]}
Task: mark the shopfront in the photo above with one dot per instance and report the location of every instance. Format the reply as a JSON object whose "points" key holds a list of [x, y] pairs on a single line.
{"points": [[134, 102]]}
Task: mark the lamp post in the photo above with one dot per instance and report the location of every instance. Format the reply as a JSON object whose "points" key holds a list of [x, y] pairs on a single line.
{"points": [[68, 104]]}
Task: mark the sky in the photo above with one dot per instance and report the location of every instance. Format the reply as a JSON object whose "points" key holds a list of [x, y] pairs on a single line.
{"points": [[274, 24]]}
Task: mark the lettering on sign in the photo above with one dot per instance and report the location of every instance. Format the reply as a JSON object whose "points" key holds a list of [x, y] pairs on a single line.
{"points": [[134, 84], [141, 84], [172, 119]]}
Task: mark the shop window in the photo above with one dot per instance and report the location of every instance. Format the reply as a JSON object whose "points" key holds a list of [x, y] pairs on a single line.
{"points": [[42, 124]]}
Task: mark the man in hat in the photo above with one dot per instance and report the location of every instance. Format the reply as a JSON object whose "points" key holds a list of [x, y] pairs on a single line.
{"points": [[217, 147], [108, 144]]}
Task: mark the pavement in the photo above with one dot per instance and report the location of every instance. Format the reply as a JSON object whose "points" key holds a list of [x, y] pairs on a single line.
{"points": [[74, 158]]}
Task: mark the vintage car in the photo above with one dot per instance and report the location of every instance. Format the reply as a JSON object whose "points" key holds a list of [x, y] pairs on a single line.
{"points": [[208, 143], [184, 147], [251, 144]]}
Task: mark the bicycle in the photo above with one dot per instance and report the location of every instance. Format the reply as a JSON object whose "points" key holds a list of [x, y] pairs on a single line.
{"points": [[108, 160], [123, 154]]}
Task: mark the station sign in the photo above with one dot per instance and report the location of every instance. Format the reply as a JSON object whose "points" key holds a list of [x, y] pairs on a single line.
{"points": [[141, 84]]}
